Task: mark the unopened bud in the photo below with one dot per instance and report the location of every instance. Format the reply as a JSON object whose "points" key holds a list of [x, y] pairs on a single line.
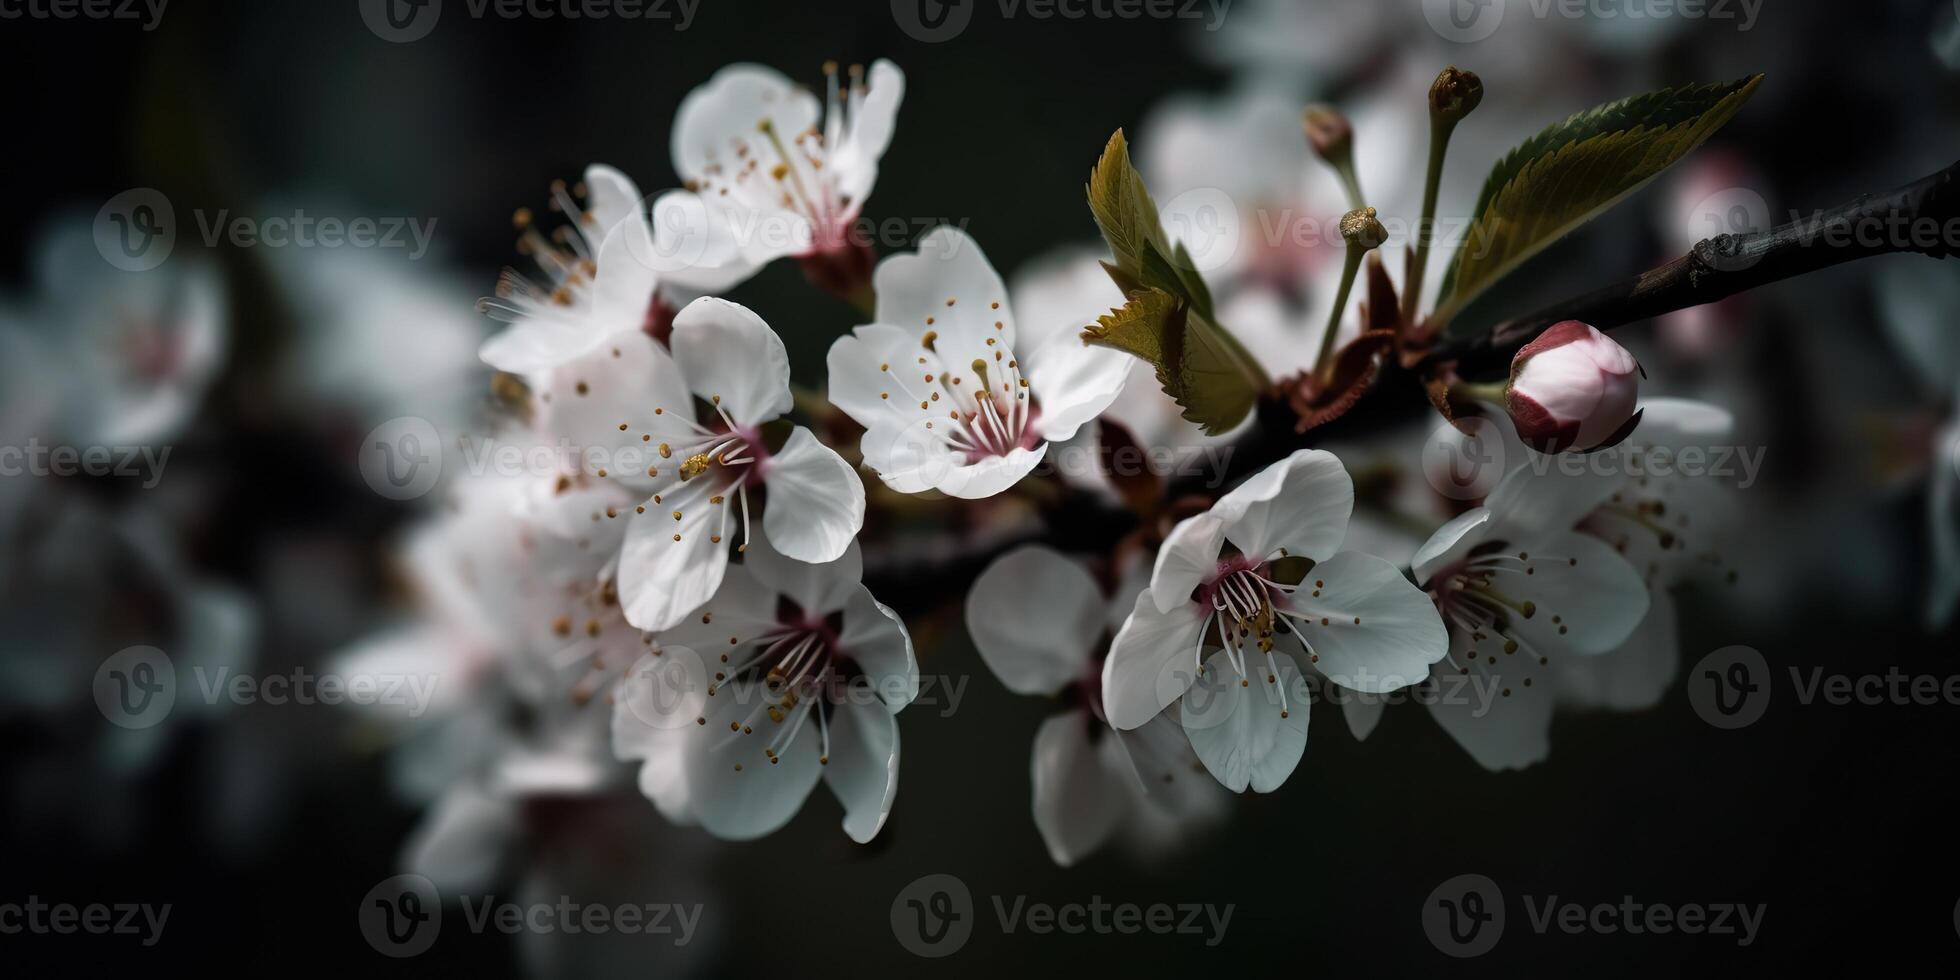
{"points": [[1328, 132], [1455, 94], [1573, 388], [1359, 228]]}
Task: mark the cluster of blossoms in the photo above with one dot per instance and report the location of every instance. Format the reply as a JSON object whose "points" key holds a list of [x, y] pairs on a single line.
{"points": [[102, 373], [687, 592]]}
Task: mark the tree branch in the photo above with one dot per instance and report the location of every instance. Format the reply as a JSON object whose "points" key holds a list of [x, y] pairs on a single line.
{"points": [[1921, 217]]}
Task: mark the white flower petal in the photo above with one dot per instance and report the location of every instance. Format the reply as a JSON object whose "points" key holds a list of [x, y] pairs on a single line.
{"points": [[663, 780], [862, 384], [914, 288], [910, 378], [531, 345], [564, 758], [1188, 556], [1301, 503], [863, 766], [179, 316], [876, 640], [662, 579], [1362, 713], [1451, 543], [729, 356], [759, 797], [1035, 617], [1248, 731], [1917, 300], [1074, 383], [461, 842], [1399, 633], [1680, 422], [612, 198], [647, 700], [1586, 598], [1669, 522], [1078, 799], [1061, 292], [742, 609], [726, 111], [817, 588], [622, 281], [697, 245], [625, 380], [910, 462], [816, 501], [1151, 662], [1180, 797], [1529, 506], [1500, 732], [854, 159], [1159, 763], [615, 301], [1634, 676], [985, 477]]}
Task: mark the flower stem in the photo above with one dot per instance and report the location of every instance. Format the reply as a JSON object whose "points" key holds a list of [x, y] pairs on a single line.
{"points": [[1345, 167], [1479, 391], [1439, 144], [1323, 366]]}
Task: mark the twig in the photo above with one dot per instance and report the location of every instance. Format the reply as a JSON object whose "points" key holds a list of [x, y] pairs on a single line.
{"points": [[1921, 217]]}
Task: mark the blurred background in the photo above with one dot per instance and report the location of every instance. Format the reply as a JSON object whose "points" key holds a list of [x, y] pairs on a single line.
{"points": [[260, 549]]}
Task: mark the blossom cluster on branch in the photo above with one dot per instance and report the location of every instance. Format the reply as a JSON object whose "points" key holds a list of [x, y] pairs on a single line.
{"points": [[685, 590]]}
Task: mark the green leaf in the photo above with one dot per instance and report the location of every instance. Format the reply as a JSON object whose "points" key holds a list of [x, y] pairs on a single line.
{"points": [[1575, 170], [1130, 224], [1125, 282], [1221, 380], [1197, 364], [1123, 208], [1168, 319], [1139, 328]]}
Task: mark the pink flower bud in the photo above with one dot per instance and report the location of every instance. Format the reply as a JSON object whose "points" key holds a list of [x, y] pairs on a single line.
{"points": [[1573, 387]]}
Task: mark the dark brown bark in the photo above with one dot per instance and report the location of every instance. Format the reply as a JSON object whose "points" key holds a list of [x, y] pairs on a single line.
{"points": [[1921, 217]]}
